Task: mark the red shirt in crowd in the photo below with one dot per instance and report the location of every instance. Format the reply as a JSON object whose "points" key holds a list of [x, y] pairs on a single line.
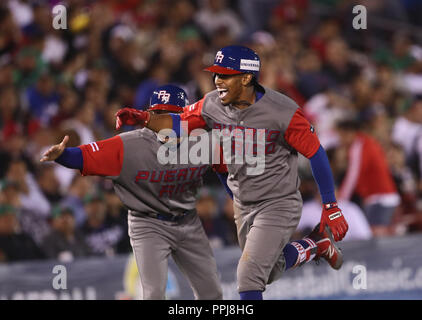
{"points": [[368, 173]]}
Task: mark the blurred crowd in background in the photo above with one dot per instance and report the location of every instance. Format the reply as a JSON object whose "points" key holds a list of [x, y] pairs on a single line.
{"points": [[361, 89]]}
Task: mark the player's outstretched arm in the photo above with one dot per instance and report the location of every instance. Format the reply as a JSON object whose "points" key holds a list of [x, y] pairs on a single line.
{"points": [[301, 135], [68, 157], [331, 215], [132, 117], [55, 151], [100, 158], [157, 122]]}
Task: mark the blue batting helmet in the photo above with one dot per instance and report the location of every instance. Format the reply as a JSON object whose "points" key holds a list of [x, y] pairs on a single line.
{"points": [[168, 98], [236, 60]]}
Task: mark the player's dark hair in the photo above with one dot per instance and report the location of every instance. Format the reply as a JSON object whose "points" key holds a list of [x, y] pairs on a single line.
{"points": [[254, 82]]}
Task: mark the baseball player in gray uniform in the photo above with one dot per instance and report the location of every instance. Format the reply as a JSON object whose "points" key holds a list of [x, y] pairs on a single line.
{"points": [[267, 205], [160, 198]]}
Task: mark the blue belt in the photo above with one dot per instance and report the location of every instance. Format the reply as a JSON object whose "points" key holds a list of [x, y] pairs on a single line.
{"points": [[164, 217]]}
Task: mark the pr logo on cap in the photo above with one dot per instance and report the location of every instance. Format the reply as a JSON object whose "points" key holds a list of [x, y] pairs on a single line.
{"points": [[164, 96], [219, 57]]}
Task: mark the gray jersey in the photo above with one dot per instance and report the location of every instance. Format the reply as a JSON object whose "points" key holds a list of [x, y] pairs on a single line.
{"points": [[142, 183], [267, 205], [286, 132]]}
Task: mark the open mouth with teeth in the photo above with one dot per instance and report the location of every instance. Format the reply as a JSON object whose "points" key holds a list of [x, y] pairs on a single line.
{"points": [[222, 92]]}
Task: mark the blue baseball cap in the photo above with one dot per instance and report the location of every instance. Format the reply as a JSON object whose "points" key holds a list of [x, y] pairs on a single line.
{"points": [[168, 98], [236, 60]]}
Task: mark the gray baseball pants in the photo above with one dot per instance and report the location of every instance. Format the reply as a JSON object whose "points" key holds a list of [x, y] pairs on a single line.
{"points": [[154, 240], [263, 230]]}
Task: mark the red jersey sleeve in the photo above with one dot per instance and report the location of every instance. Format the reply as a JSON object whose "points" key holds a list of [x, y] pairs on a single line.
{"points": [[220, 167], [192, 115], [300, 135], [103, 158]]}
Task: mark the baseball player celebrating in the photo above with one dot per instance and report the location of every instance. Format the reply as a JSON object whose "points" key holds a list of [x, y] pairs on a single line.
{"points": [[160, 198], [267, 206]]}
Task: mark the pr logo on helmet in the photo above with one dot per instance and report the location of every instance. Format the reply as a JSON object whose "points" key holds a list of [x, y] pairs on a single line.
{"points": [[164, 96], [219, 57]]}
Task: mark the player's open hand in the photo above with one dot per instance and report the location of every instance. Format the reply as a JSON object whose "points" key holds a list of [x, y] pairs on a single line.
{"points": [[334, 219], [55, 151], [132, 117]]}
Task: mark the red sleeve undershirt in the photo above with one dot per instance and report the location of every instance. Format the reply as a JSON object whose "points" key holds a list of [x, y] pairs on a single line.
{"points": [[301, 135], [220, 167], [192, 114], [103, 158]]}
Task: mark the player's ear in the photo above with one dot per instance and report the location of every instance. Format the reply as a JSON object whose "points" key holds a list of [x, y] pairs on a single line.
{"points": [[247, 79]]}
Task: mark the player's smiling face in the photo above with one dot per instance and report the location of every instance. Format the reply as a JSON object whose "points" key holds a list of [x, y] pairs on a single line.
{"points": [[230, 87]]}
